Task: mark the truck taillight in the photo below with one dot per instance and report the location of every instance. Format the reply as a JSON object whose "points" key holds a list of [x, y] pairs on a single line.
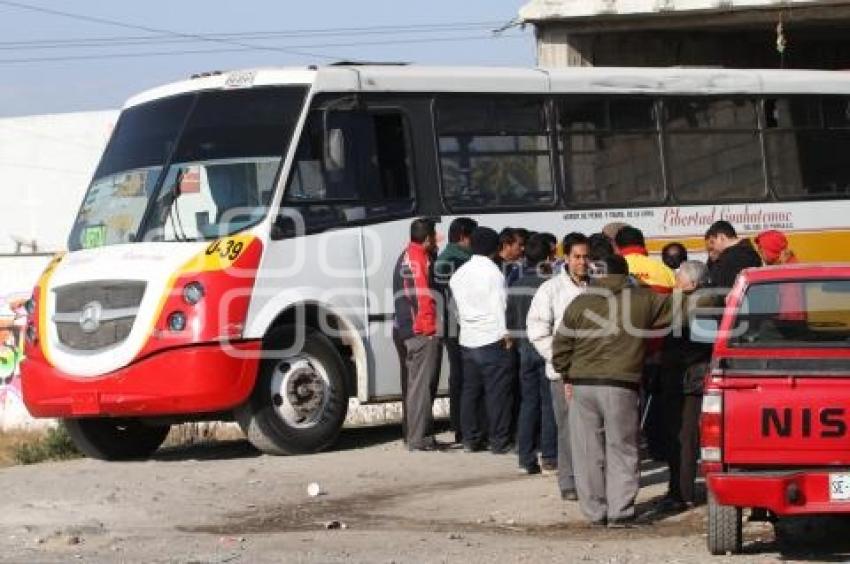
{"points": [[711, 431]]}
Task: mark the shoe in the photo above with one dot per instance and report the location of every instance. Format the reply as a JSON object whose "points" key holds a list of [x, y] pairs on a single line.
{"points": [[549, 468], [671, 505], [569, 495], [666, 506], [472, 447], [507, 449], [432, 446], [530, 470], [624, 523]]}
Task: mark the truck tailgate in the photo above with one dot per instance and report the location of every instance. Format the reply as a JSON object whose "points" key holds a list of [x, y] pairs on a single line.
{"points": [[790, 421]]}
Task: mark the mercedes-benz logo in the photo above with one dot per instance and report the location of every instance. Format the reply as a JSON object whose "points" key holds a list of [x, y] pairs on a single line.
{"points": [[90, 317]]}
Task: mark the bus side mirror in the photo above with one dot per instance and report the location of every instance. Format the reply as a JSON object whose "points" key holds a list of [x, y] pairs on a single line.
{"points": [[334, 150], [703, 328]]}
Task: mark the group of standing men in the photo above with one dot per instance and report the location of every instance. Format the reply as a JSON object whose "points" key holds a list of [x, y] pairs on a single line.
{"points": [[554, 353]]}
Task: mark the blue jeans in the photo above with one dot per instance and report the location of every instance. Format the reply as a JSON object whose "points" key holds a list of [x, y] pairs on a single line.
{"points": [[536, 427]]}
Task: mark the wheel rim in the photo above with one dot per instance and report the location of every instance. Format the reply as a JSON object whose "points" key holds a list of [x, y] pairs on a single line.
{"points": [[300, 390]]}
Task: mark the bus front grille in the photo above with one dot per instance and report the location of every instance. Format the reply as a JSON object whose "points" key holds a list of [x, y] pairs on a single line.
{"points": [[96, 315]]}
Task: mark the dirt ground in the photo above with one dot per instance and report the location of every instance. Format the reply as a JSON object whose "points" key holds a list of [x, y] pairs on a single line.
{"points": [[226, 503]]}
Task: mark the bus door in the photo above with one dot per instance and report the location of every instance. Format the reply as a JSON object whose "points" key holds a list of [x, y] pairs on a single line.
{"points": [[390, 182], [350, 193]]}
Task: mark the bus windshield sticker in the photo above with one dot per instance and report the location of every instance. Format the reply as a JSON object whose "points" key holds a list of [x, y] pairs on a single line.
{"points": [[240, 79], [94, 236]]}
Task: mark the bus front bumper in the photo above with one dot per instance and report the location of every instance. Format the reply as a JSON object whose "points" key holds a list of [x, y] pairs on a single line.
{"points": [[805, 492], [186, 380]]}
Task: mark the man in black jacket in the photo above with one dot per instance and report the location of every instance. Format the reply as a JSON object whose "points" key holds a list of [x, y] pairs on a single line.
{"points": [[733, 254], [455, 255], [536, 426]]}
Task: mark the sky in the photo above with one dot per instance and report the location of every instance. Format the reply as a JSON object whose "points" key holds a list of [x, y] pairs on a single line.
{"points": [[83, 60]]}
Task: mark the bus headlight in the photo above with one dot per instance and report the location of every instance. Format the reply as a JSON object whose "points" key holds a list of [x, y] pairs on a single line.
{"points": [[177, 321], [193, 292]]}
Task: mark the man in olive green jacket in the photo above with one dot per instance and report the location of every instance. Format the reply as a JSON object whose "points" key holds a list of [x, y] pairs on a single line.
{"points": [[599, 352]]}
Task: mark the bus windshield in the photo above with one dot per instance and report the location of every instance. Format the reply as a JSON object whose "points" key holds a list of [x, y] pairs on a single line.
{"points": [[192, 167]]}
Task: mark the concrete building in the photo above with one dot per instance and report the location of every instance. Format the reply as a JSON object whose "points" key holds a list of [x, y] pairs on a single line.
{"points": [[729, 33], [46, 163]]}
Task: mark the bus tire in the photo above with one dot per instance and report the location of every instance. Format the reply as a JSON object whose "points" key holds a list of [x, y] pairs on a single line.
{"points": [[108, 438], [300, 400], [725, 528]]}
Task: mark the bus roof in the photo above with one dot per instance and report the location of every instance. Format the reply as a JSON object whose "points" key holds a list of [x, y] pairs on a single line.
{"points": [[596, 80]]}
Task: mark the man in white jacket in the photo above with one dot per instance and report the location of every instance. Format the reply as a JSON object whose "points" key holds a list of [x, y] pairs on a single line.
{"points": [[544, 317]]}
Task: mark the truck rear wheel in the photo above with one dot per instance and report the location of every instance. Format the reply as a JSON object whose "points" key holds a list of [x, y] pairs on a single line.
{"points": [[725, 528], [108, 438], [300, 399]]}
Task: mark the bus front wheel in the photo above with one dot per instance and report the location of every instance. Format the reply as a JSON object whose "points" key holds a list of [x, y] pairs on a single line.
{"points": [[108, 438], [299, 401]]}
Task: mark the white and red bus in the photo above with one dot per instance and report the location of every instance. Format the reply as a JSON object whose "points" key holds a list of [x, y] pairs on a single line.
{"points": [[233, 255]]}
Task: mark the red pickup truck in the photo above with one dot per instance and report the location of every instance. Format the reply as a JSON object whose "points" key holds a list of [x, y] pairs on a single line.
{"points": [[775, 429]]}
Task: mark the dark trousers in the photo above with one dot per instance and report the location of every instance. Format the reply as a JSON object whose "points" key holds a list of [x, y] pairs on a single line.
{"points": [[654, 427], [682, 418], [401, 350], [488, 379], [455, 384], [536, 427]]}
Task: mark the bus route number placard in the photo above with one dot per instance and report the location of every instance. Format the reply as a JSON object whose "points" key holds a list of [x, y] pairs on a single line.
{"points": [[229, 250]]}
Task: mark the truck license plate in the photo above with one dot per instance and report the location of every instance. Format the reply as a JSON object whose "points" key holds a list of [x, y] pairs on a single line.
{"points": [[839, 487]]}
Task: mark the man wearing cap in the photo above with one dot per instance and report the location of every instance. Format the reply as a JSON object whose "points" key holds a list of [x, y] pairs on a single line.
{"points": [[481, 297], [773, 247]]}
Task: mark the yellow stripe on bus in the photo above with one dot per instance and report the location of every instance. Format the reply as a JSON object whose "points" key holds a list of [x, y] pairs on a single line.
{"points": [[808, 246], [43, 282]]}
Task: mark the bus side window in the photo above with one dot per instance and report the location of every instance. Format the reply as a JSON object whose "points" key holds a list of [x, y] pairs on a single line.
{"points": [[494, 152], [713, 149], [388, 184], [806, 140], [610, 150]]}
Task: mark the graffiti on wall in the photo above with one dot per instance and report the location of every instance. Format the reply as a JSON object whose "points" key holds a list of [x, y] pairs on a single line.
{"points": [[13, 321]]}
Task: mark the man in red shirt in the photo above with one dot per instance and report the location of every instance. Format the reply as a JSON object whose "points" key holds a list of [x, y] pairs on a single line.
{"points": [[416, 325]]}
